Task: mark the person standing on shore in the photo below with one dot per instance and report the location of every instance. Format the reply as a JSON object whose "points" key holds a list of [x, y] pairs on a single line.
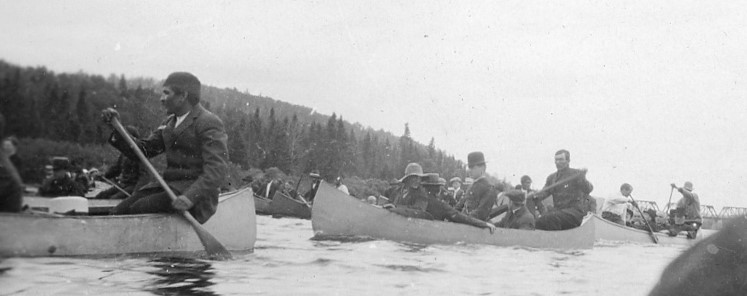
{"points": [[11, 185]]}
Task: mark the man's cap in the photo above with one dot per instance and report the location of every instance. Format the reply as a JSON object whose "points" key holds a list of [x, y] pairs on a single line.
{"points": [[315, 174], [430, 179], [441, 181], [516, 196], [60, 163], [455, 179], [184, 81], [475, 158], [689, 186], [412, 169]]}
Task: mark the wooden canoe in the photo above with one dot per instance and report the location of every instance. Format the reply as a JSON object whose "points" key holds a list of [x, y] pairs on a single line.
{"points": [[610, 231], [262, 205], [285, 206], [336, 214], [41, 235]]}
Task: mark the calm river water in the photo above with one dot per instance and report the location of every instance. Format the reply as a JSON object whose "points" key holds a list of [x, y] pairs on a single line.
{"points": [[287, 262]]}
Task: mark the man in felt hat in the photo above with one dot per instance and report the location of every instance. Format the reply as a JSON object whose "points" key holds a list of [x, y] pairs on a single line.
{"points": [[61, 183], [481, 196], [534, 206], [11, 185], [411, 200], [126, 173], [194, 141], [687, 214], [316, 178], [569, 207], [518, 216], [440, 210]]}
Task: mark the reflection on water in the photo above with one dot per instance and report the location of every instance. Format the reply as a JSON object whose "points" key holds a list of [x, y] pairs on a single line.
{"points": [[181, 276]]}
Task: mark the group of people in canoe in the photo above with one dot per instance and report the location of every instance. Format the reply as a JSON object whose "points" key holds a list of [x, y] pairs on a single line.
{"points": [[421, 195], [194, 141], [425, 196]]}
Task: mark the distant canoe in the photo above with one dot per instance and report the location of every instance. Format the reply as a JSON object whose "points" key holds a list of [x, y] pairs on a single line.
{"points": [[34, 235], [336, 214], [610, 231], [262, 205], [284, 205]]}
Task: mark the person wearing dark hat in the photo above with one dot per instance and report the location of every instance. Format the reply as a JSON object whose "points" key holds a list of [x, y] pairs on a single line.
{"points": [[126, 173], [686, 217], [518, 216], [440, 210], [569, 206], [535, 207], [411, 200], [11, 184], [481, 196], [316, 178], [61, 183], [195, 143]]}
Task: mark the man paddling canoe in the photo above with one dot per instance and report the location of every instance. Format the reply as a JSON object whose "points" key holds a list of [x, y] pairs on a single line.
{"points": [[194, 141], [568, 200]]}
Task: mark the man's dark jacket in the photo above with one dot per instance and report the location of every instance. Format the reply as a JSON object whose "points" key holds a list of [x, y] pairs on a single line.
{"points": [[196, 157]]}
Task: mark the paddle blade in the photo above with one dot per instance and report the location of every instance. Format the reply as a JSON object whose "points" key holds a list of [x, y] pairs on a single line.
{"points": [[215, 250]]}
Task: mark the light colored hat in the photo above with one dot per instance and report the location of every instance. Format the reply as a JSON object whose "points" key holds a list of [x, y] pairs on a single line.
{"points": [[441, 181], [412, 169], [689, 186], [315, 174], [468, 181], [455, 179]]}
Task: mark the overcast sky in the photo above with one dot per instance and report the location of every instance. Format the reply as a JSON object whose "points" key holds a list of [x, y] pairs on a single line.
{"points": [[639, 92]]}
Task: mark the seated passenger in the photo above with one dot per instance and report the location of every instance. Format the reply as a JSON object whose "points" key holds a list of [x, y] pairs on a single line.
{"points": [[316, 178], [61, 183], [518, 216], [126, 173], [686, 217], [411, 200], [615, 208], [441, 211], [11, 189]]}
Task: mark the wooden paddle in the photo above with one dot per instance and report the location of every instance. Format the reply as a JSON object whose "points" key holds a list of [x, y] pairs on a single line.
{"points": [[213, 247], [666, 210], [650, 230], [115, 186]]}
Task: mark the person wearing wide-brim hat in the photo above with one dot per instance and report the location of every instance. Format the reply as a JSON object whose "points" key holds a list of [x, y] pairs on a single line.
{"points": [[481, 196], [439, 207], [316, 178], [687, 214], [518, 216], [61, 183], [411, 200]]}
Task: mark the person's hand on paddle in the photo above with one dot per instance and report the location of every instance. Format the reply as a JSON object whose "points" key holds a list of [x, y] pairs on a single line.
{"points": [[673, 186], [490, 227], [182, 203], [388, 206], [107, 115]]}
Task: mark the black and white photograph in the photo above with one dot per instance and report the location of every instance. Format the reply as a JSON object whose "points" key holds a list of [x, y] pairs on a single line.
{"points": [[373, 147]]}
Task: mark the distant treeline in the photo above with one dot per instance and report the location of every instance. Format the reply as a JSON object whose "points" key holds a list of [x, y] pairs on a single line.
{"points": [[63, 110]]}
